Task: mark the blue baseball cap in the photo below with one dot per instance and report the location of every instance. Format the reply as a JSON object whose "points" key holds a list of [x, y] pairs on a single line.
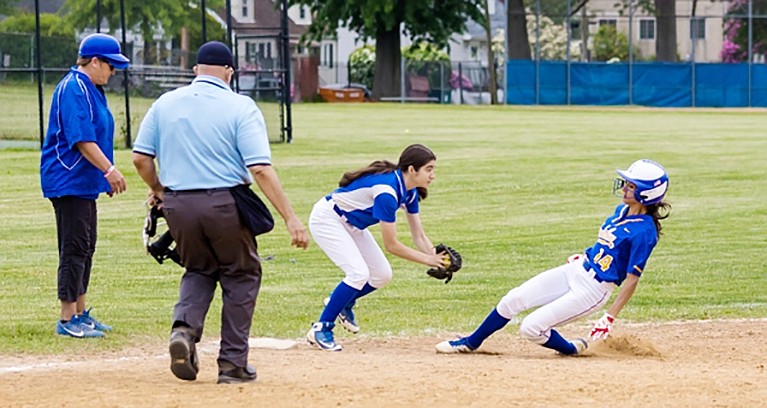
{"points": [[103, 46]]}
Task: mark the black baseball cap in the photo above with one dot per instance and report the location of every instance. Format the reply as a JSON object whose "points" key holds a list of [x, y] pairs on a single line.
{"points": [[215, 53]]}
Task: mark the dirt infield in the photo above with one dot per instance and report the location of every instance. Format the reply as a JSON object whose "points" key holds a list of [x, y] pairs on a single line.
{"points": [[682, 364]]}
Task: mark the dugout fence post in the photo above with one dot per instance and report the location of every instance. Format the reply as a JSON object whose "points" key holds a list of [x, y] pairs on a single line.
{"points": [[750, 46], [537, 52], [126, 77], [287, 125], [229, 23], [38, 62], [567, 52], [631, 53], [204, 25]]}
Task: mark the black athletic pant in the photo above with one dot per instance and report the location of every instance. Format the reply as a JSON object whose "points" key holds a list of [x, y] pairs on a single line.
{"points": [[76, 232]]}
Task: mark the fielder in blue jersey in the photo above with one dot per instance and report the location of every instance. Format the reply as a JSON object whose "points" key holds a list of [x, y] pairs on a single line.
{"points": [[585, 283], [339, 221]]}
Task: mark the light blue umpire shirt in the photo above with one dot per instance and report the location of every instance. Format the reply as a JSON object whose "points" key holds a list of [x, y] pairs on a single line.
{"points": [[204, 135]]}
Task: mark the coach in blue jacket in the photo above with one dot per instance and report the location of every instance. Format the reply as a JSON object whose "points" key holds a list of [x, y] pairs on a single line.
{"points": [[75, 167]]}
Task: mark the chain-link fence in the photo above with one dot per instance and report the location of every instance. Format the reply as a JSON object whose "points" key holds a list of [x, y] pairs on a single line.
{"points": [[671, 53], [155, 69], [462, 82]]}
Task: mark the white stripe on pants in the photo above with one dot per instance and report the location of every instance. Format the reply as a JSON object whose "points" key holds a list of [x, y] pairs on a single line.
{"points": [[353, 250]]}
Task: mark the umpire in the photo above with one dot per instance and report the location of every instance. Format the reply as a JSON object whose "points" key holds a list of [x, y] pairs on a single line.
{"points": [[206, 139]]}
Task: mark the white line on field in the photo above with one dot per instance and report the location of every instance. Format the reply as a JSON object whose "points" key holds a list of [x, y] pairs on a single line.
{"points": [[210, 346]]}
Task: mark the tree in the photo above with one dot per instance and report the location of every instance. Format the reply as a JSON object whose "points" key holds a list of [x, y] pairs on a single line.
{"points": [[429, 21], [490, 55], [150, 18], [517, 38], [665, 45], [50, 25], [7, 7], [665, 15]]}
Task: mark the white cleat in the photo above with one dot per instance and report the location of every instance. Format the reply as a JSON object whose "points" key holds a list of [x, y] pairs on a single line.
{"points": [[580, 345], [454, 346]]}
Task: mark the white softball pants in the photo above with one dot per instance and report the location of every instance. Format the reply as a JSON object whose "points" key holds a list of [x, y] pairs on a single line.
{"points": [[564, 294], [353, 250]]}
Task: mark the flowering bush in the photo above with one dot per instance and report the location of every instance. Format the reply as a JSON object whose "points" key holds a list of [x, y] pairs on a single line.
{"points": [[735, 44]]}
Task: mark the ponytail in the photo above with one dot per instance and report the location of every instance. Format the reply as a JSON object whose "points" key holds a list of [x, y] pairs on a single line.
{"points": [[659, 211], [377, 167]]}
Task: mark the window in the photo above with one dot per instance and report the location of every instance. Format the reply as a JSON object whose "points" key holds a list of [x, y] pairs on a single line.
{"points": [[575, 29], [245, 8], [698, 29], [327, 55], [608, 21], [258, 52], [302, 12], [647, 29], [265, 50]]}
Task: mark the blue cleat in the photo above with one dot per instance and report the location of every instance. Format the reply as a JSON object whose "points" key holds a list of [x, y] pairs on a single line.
{"points": [[94, 324], [455, 346], [321, 335], [346, 317], [77, 329]]}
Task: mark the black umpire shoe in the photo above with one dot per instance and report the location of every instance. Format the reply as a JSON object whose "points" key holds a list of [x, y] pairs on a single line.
{"points": [[183, 354], [237, 375]]}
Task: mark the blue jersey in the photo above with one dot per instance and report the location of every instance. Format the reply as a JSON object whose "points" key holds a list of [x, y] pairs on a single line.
{"points": [[79, 113], [623, 246], [373, 198]]}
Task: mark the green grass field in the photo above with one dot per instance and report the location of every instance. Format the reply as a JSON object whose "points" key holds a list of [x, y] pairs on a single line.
{"points": [[518, 190]]}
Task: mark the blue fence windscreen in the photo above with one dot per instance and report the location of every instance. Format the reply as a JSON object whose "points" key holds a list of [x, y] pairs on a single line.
{"points": [[643, 83]]}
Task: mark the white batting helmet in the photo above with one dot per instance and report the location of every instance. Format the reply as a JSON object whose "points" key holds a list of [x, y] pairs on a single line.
{"points": [[650, 178]]}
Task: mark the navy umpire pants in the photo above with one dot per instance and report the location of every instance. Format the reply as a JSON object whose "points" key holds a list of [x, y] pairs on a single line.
{"points": [[215, 248]]}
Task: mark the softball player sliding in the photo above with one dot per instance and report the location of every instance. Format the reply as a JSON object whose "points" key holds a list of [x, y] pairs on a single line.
{"points": [[584, 284], [338, 223]]}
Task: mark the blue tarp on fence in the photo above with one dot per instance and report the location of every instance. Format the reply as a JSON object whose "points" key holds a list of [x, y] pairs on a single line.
{"points": [[652, 84]]}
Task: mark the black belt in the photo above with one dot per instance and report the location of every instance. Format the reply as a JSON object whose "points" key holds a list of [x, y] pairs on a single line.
{"points": [[196, 190], [335, 207]]}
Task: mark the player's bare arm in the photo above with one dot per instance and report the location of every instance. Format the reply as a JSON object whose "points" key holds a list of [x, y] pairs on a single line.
{"points": [[397, 248], [421, 241]]}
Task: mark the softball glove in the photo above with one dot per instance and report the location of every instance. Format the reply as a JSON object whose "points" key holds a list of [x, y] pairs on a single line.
{"points": [[453, 263]]}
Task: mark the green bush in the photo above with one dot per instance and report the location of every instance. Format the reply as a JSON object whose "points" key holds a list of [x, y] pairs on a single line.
{"points": [[421, 59], [610, 44], [362, 64]]}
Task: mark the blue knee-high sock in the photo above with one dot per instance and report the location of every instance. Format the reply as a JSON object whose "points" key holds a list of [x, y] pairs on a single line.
{"points": [[493, 322], [366, 290], [558, 343], [341, 296]]}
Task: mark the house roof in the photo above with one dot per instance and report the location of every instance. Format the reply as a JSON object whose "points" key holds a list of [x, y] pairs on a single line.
{"points": [[497, 20], [267, 21]]}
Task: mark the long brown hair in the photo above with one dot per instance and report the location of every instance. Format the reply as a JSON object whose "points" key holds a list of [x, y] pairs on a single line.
{"points": [[415, 155], [658, 211]]}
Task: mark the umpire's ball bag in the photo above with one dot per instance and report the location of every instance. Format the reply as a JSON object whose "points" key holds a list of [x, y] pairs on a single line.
{"points": [[253, 211]]}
